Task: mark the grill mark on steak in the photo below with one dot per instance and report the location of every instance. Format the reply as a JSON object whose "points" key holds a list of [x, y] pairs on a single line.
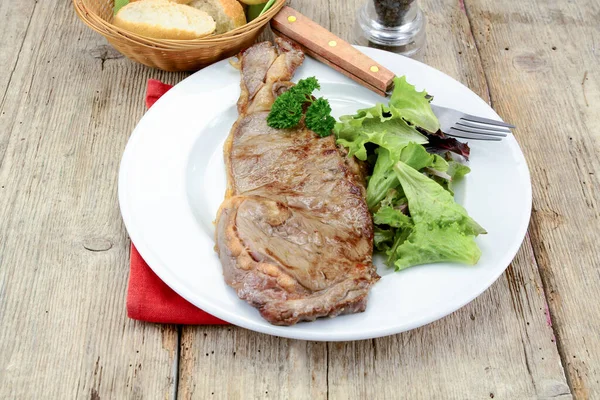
{"points": [[294, 234]]}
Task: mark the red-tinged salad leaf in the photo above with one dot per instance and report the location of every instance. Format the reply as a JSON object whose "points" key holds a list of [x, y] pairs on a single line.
{"points": [[440, 143]]}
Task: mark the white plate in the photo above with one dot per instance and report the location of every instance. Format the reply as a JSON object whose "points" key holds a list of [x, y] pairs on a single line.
{"points": [[172, 181]]}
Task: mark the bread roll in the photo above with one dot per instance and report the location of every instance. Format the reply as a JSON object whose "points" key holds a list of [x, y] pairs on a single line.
{"points": [[228, 14], [162, 19]]}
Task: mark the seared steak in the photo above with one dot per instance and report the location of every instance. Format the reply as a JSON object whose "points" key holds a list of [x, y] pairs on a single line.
{"points": [[294, 233]]}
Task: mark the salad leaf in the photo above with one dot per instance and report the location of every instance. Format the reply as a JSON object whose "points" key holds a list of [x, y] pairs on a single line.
{"points": [[384, 178], [409, 191], [375, 125], [456, 171], [443, 231], [439, 164], [429, 203], [413, 106], [393, 217], [440, 143], [416, 156], [383, 238], [423, 246], [395, 198]]}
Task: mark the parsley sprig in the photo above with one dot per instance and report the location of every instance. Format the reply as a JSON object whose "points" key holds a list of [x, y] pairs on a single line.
{"points": [[288, 109]]}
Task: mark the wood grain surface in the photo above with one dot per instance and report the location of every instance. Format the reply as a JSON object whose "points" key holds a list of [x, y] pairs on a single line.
{"points": [[69, 103], [63, 248], [556, 107]]}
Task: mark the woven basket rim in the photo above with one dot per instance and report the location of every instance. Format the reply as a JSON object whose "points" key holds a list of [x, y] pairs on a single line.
{"points": [[107, 29]]}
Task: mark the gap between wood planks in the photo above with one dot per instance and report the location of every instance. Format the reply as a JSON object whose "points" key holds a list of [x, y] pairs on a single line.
{"points": [[558, 342]]}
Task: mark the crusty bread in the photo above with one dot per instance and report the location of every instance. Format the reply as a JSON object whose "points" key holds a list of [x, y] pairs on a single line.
{"points": [[162, 19], [228, 14]]}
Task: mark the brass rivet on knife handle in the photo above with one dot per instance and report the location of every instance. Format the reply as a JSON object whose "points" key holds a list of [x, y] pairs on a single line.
{"points": [[317, 39]]}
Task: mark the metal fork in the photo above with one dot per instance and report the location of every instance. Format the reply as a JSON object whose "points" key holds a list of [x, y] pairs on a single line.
{"points": [[462, 125]]}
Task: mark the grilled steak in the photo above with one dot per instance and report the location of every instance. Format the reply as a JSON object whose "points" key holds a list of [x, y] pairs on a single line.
{"points": [[294, 234]]}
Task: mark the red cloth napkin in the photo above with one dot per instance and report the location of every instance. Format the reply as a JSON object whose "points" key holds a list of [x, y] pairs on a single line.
{"points": [[148, 298]]}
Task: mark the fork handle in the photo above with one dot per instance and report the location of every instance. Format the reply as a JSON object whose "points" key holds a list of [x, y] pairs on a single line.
{"points": [[323, 45]]}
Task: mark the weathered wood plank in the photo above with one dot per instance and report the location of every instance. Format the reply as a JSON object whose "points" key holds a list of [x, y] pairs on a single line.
{"points": [[542, 59], [16, 17], [64, 252], [500, 345], [261, 366], [233, 363]]}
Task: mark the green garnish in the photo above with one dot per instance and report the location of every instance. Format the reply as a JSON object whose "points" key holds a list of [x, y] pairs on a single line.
{"points": [[318, 117], [288, 109], [286, 112]]}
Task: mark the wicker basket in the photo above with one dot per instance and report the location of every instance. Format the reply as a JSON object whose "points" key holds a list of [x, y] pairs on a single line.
{"points": [[171, 55]]}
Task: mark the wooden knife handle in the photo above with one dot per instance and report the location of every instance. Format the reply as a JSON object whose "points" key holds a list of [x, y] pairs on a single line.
{"points": [[325, 46]]}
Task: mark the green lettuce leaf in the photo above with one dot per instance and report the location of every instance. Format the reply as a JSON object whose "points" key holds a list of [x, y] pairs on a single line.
{"points": [[413, 106], [405, 176], [383, 239], [424, 246], [429, 203], [375, 125], [384, 178], [394, 198], [443, 231], [439, 163], [395, 218], [456, 171]]}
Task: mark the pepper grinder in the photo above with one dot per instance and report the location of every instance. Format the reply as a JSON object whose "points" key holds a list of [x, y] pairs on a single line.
{"points": [[393, 25]]}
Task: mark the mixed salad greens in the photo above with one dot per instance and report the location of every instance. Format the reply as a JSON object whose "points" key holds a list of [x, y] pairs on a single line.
{"points": [[414, 167], [410, 191]]}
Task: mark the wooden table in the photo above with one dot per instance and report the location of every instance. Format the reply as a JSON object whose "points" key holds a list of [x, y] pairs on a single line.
{"points": [[68, 105]]}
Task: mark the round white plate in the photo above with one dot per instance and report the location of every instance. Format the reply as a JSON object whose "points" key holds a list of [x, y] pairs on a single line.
{"points": [[172, 181]]}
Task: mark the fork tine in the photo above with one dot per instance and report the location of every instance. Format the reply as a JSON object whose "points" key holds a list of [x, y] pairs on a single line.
{"points": [[474, 118], [480, 131], [475, 136], [483, 126]]}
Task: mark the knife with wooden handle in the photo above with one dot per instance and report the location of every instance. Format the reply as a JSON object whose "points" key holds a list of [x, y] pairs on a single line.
{"points": [[324, 46]]}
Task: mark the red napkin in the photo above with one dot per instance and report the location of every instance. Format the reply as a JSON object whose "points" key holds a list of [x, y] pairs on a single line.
{"points": [[148, 298]]}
